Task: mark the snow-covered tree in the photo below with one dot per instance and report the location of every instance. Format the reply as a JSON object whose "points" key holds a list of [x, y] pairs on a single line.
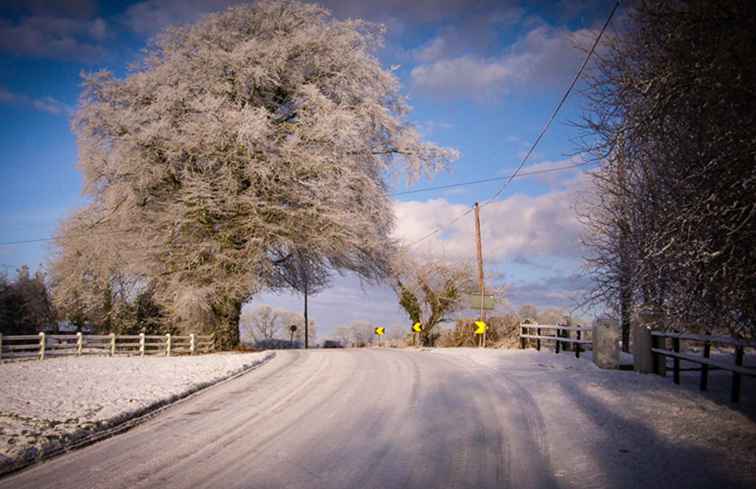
{"points": [[256, 132], [431, 289]]}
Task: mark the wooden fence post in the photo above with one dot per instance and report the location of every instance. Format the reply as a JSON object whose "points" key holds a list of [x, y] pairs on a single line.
{"points": [[112, 344], [577, 345], [192, 344], [212, 342], [42, 342], [168, 344], [676, 361], [704, 367], [735, 394], [557, 336], [141, 344], [522, 340], [79, 343], [538, 341], [660, 362]]}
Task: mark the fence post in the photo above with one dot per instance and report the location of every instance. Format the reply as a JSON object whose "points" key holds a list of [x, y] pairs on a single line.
{"points": [[212, 343], [557, 336], [577, 345], [538, 340], [676, 361], [42, 342], [168, 344], [1, 346], [141, 344], [705, 368], [79, 343], [735, 394], [522, 340], [192, 344], [660, 361], [112, 344]]}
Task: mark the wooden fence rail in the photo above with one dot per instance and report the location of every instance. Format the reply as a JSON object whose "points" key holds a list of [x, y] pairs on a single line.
{"points": [[660, 352], [560, 336], [43, 345]]}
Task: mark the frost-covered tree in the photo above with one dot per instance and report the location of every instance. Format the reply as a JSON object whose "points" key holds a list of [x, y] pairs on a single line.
{"points": [[671, 115], [431, 289], [256, 132]]}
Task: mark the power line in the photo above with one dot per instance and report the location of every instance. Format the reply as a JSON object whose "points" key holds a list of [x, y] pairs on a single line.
{"points": [[53, 238], [509, 179], [425, 189], [540, 135], [492, 179]]}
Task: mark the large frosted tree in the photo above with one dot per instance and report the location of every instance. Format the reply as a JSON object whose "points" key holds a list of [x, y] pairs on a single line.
{"points": [[236, 141]]}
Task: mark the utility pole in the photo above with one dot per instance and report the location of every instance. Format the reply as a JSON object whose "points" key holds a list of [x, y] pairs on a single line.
{"points": [[479, 250], [307, 325]]}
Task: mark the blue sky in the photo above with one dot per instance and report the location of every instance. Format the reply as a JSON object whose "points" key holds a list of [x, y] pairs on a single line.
{"points": [[482, 76]]}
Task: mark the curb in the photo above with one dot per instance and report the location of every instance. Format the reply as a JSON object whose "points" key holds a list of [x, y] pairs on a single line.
{"points": [[122, 423]]}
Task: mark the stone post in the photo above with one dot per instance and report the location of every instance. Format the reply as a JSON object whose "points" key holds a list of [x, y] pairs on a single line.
{"points": [[607, 336]]}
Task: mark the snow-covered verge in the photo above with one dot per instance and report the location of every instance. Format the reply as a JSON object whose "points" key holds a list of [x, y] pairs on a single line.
{"points": [[52, 404], [613, 419]]}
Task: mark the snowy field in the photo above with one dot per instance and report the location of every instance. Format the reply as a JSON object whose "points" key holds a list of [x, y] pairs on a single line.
{"points": [[635, 412], [45, 405]]}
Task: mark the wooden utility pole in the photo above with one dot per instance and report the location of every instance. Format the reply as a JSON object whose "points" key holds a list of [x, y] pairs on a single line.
{"points": [[306, 319], [479, 250]]}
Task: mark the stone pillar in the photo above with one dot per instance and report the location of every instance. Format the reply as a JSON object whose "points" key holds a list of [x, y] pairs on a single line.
{"points": [[643, 358], [606, 343]]}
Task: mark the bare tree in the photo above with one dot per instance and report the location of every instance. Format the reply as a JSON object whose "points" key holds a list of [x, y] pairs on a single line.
{"points": [[430, 289], [257, 132], [672, 108], [262, 323]]}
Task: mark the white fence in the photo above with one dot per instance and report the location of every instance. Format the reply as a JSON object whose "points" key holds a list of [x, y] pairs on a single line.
{"points": [[43, 345]]}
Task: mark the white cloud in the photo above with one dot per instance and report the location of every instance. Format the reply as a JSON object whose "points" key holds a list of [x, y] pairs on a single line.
{"points": [[54, 38], [44, 104], [520, 225], [466, 76], [544, 57]]}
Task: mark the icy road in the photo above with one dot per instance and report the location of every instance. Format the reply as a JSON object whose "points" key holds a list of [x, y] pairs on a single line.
{"points": [[422, 419]]}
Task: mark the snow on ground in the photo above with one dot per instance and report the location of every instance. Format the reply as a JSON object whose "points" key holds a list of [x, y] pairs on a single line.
{"points": [[45, 405], [624, 413]]}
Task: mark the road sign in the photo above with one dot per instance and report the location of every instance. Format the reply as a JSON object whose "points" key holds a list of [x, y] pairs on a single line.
{"points": [[481, 327], [417, 327], [380, 330], [293, 328]]}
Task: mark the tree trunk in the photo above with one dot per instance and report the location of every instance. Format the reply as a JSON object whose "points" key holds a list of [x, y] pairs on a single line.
{"points": [[226, 329]]}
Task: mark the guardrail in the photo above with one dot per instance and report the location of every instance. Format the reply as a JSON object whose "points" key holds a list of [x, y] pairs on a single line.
{"points": [[43, 345], [560, 336], [660, 352]]}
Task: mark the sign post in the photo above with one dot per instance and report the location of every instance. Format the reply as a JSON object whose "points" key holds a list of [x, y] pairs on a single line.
{"points": [[379, 331], [293, 329]]}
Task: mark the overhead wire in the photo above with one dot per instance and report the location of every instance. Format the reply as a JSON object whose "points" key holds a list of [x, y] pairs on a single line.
{"points": [[541, 134]]}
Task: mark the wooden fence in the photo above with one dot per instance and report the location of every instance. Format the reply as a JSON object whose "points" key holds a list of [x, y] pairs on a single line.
{"points": [[660, 351], [559, 335], [43, 345]]}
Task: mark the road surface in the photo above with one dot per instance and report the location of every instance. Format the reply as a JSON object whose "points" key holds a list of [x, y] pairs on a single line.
{"points": [[358, 419]]}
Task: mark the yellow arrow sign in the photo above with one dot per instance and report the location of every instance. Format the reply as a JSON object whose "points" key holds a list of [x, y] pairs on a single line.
{"points": [[417, 327], [380, 330], [481, 327]]}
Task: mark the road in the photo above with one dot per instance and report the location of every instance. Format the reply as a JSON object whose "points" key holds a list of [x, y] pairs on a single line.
{"points": [[334, 419]]}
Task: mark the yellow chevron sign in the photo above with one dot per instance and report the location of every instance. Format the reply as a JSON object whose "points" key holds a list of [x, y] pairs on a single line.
{"points": [[481, 327], [417, 327], [380, 330]]}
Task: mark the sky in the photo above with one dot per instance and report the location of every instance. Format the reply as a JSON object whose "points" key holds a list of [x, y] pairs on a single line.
{"points": [[481, 76]]}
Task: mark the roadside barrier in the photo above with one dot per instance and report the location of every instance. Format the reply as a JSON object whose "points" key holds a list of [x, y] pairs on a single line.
{"points": [[43, 345]]}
